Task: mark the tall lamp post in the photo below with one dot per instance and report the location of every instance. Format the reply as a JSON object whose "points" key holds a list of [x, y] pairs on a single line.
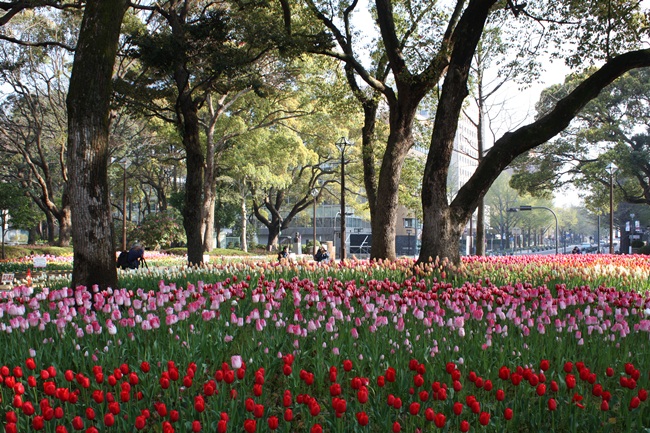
{"points": [[611, 169], [528, 208], [314, 193], [126, 164], [342, 144]]}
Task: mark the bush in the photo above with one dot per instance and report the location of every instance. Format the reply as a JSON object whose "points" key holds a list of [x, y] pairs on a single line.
{"points": [[637, 243], [161, 229]]}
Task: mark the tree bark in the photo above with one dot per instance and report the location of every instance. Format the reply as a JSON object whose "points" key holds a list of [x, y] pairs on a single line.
{"points": [[88, 105]]}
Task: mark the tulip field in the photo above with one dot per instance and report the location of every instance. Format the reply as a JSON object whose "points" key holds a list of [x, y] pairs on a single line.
{"points": [[497, 344]]}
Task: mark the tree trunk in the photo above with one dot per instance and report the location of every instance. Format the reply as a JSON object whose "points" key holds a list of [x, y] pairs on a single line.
{"points": [[400, 141], [480, 229], [244, 221], [274, 233], [207, 225], [65, 226], [50, 228], [194, 180], [88, 105], [448, 231]]}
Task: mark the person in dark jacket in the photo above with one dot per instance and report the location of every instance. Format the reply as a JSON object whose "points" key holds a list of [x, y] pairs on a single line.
{"points": [[321, 255], [135, 256]]}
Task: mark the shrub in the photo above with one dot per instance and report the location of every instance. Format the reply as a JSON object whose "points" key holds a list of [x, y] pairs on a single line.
{"points": [[161, 229]]}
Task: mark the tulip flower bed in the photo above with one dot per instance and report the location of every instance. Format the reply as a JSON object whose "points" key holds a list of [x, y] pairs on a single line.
{"points": [[363, 347]]}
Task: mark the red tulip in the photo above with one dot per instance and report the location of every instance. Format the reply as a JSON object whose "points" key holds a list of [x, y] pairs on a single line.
{"points": [[273, 422], [199, 403], [90, 413], [440, 420], [316, 428], [77, 423], [30, 363], [541, 389], [362, 418], [500, 395], [604, 406], [464, 426], [429, 414], [347, 365], [173, 415], [258, 411], [288, 415], [38, 422], [507, 414], [109, 419], [458, 408], [391, 374], [11, 428], [635, 402], [28, 408], [544, 365], [397, 427], [362, 396], [484, 418], [570, 381], [609, 371], [250, 425], [196, 426], [552, 404], [222, 426], [568, 366], [414, 408], [140, 422]]}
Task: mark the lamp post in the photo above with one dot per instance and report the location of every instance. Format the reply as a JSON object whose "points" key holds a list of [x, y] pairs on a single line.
{"points": [[4, 216], [126, 164], [611, 169], [529, 208], [314, 193], [342, 144], [631, 233]]}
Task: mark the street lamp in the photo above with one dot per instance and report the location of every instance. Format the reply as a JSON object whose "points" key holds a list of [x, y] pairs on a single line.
{"points": [[611, 169], [342, 144], [126, 164], [4, 217], [314, 193], [528, 208]]}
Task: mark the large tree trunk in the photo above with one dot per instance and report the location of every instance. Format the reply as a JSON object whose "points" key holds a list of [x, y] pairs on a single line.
{"points": [[193, 205], [88, 105], [400, 142], [274, 233]]}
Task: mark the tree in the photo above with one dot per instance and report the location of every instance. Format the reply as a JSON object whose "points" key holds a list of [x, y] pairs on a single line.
{"points": [[33, 121], [416, 68], [88, 104], [208, 53], [611, 128]]}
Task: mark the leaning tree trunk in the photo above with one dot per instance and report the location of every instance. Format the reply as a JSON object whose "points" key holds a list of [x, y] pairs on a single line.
{"points": [[244, 221], [400, 141], [88, 105]]}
